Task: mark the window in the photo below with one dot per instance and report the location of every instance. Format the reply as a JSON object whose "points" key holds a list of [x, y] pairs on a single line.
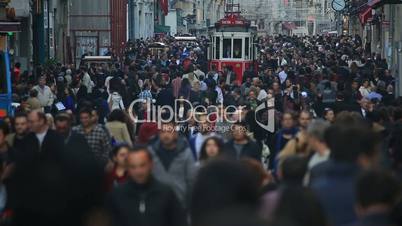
{"points": [[237, 48], [210, 50], [247, 48], [227, 48], [218, 48]]}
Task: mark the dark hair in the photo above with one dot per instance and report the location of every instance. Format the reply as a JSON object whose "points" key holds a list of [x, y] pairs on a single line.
{"points": [[327, 110], [293, 169], [117, 115], [5, 128], [377, 187], [144, 148], [397, 114], [240, 123], [117, 149], [288, 113], [165, 116], [256, 167], [63, 117], [86, 111], [348, 139], [33, 93], [20, 114], [305, 112], [299, 206], [203, 152], [240, 189]]}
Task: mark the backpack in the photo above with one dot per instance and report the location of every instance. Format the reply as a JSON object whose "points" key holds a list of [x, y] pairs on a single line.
{"points": [[328, 96]]}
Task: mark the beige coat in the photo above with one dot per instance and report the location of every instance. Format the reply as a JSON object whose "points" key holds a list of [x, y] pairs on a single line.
{"points": [[119, 132], [33, 103]]}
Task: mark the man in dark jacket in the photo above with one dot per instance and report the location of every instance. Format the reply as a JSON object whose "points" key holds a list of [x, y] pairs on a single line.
{"points": [[82, 171], [353, 147], [21, 130], [143, 200], [241, 145], [377, 194], [40, 182]]}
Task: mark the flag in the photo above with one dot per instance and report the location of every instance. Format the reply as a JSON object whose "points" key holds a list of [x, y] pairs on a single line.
{"points": [[164, 6]]}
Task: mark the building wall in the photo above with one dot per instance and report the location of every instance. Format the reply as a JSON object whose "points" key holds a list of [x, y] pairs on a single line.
{"points": [[61, 29], [90, 27], [386, 39], [118, 21], [397, 47], [141, 14], [171, 21], [23, 39]]}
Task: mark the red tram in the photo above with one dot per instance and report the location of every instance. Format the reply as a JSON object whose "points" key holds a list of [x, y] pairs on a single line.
{"points": [[232, 42]]}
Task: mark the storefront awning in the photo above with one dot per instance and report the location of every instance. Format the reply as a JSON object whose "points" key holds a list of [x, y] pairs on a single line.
{"points": [[378, 3], [162, 29], [10, 26], [365, 15]]}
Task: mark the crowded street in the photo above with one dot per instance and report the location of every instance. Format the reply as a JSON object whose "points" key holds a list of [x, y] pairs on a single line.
{"points": [[156, 117]]}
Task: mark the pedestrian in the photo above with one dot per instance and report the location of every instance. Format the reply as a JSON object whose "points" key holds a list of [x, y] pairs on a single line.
{"points": [[96, 136], [376, 198], [118, 174], [204, 130], [240, 191], [82, 172], [211, 148], [173, 161], [241, 146], [353, 146], [39, 169], [316, 138], [33, 101], [20, 130], [45, 95], [144, 200]]}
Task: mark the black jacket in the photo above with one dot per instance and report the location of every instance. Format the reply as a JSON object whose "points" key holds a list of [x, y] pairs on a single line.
{"points": [[250, 150], [41, 185], [153, 204], [84, 177]]}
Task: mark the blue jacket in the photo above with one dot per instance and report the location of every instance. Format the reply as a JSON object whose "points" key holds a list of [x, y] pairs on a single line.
{"points": [[334, 185]]}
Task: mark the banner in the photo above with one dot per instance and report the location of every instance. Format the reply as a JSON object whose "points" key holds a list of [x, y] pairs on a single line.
{"points": [[164, 6]]}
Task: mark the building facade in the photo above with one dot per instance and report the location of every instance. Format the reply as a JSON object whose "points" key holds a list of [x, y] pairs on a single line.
{"points": [[378, 23], [97, 27], [141, 14]]}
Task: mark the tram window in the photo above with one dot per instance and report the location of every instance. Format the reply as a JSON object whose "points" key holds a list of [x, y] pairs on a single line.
{"points": [[3, 75], [247, 48], [237, 48], [218, 48], [227, 48]]}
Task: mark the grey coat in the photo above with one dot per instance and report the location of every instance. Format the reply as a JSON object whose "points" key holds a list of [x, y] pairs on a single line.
{"points": [[180, 174]]}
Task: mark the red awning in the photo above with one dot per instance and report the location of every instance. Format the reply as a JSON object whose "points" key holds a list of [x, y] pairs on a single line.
{"points": [[365, 16], [288, 25]]}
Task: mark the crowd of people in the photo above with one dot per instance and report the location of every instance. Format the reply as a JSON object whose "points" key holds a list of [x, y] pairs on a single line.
{"points": [[78, 151]]}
